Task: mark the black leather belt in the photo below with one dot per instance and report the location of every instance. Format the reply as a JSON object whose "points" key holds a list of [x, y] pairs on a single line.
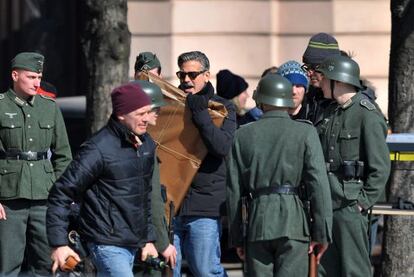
{"points": [[26, 156], [285, 189]]}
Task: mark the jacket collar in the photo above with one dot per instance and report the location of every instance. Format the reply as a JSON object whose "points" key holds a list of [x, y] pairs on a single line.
{"points": [[16, 99], [208, 90], [351, 101], [124, 134], [272, 114]]}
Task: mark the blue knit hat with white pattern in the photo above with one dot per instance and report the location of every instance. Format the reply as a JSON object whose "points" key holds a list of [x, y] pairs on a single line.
{"points": [[292, 71]]}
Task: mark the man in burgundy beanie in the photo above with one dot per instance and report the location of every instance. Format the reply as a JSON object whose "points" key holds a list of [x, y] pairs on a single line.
{"points": [[111, 176]]}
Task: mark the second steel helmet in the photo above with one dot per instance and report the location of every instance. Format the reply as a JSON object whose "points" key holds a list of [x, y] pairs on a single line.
{"points": [[342, 69], [274, 90], [153, 91]]}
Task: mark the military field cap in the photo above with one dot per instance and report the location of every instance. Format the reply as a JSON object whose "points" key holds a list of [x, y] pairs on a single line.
{"points": [[30, 61], [320, 47], [292, 71], [230, 85], [146, 61]]}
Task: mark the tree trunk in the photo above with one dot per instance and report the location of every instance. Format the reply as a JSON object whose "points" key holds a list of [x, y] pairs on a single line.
{"points": [[105, 42], [398, 243]]}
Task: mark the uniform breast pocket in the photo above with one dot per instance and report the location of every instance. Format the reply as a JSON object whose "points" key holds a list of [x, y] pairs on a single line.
{"points": [[11, 132], [349, 144], [46, 130]]}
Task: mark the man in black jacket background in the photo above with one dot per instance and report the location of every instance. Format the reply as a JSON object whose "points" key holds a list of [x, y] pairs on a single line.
{"points": [[197, 227], [111, 179]]}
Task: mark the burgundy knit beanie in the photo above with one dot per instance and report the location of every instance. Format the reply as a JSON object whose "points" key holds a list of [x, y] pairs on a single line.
{"points": [[127, 98]]}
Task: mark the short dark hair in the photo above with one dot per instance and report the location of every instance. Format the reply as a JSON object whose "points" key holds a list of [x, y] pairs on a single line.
{"points": [[272, 69]]}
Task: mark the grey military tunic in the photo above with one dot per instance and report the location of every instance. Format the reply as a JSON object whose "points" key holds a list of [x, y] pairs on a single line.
{"points": [[32, 127], [36, 125], [358, 165], [277, 150]]}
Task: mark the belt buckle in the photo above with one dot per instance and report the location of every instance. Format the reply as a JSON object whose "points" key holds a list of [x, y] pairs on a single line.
{"points": [[31, 156]]}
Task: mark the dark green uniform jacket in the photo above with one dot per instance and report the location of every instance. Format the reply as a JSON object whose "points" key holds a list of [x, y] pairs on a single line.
{"points": [[277, 150], [355, 131], [158, 211], [35, 125]]}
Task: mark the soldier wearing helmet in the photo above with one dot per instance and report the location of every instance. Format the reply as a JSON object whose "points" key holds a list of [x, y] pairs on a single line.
{"points": [[163, 245], [147, 61], [267, 174], [353, 140], [157, 99]]}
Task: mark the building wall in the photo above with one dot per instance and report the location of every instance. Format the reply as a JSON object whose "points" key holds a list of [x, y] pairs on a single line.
{"points": [[248, 36]]}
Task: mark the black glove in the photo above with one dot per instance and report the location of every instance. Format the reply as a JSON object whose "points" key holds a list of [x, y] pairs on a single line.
{"points": [[197, 102]]}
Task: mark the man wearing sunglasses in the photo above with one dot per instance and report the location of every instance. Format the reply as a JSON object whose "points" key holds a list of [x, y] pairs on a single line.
{"points": [[197, 227], [320, 47]]}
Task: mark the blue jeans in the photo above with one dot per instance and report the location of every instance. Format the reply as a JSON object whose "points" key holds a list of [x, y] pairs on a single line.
{"points": [[198, 240], [112, 261]]}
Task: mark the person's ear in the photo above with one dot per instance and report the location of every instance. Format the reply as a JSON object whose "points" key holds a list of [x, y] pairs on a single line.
{"points": [[207, 75], [14, 75]]}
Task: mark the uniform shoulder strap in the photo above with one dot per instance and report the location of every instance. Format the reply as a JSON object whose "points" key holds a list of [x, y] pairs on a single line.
{"points": [[304, 121], [47, 97], [367, 104]]}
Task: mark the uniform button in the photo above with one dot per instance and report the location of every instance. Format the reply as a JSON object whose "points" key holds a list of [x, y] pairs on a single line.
{"points": [[349, 136], [330, 173], [30, 139], [48, 126], [331, 160], [12, 126], [31, 164], [29, 126], [5, 170], [332, 148], [28, 115], [332, 135]]}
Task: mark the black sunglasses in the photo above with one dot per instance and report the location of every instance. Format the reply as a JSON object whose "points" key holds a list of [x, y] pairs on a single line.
{"points": [[309, 67], [192, 74]]}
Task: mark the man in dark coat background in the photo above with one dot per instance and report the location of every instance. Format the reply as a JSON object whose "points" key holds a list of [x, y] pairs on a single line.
{"points": [[197, 228]]}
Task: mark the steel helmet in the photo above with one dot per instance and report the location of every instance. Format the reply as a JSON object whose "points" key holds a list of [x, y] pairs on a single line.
{"points": [[153, 91], [342, 69], [274, 90]]}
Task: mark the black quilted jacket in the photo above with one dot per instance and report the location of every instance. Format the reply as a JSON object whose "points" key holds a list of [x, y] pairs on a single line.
{"points": [[112, 182]]}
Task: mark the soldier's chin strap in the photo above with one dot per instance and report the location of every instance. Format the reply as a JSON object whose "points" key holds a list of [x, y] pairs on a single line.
{"points": [[332, 88]]}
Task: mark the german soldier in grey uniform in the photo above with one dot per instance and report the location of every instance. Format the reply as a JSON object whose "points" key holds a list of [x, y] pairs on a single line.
{"points": [[147, 61], [30, 125], [353, 140], [268, 161]]}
